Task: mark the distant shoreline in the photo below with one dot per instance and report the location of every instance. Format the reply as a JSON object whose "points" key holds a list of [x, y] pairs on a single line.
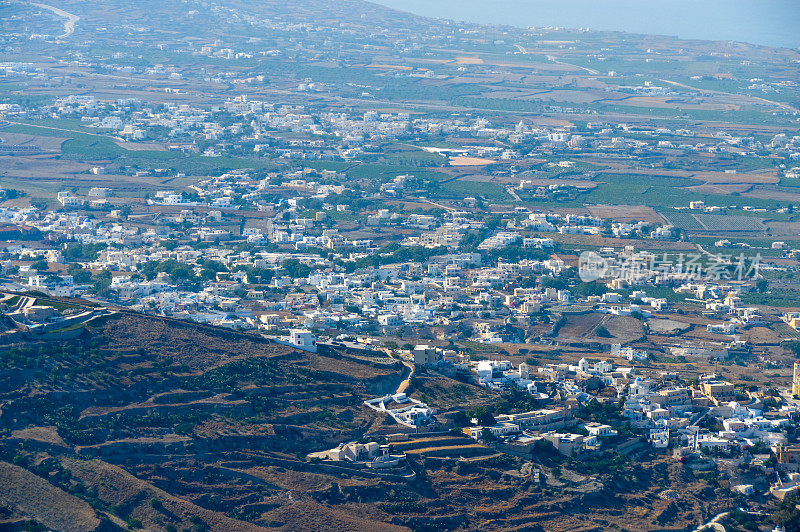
{"points": [[767, 25]]}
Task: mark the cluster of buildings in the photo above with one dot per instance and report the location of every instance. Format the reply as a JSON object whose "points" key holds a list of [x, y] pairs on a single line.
{"points": [[709, 416], [293, 266], [404, 410], [370, 455]]}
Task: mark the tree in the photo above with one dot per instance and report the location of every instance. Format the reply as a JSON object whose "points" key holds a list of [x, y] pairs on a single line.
{"points": [[79, 274], [488, 436], [787, 514], [295, 269], [602, 332], [182, 273], [482, 414], [102, 282], [589, 289], [487, 419], [40, 266], [259, 275], [76, 252], [552, 282], [460, 419], [793, 346]]}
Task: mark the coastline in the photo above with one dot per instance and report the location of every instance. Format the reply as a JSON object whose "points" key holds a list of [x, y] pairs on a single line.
{"points": [[685, 20]]}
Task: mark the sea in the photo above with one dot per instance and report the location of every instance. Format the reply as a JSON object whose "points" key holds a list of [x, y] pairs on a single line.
{"points": [[774, 23]]}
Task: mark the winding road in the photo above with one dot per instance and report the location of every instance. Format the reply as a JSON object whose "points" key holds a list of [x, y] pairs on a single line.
{"points": [[407, 382], [714, 524], [69, 25], [782, 106], [555, 60]]}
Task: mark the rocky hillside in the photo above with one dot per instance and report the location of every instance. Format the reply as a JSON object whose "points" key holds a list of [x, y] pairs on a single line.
{"points": [[162, 424]]}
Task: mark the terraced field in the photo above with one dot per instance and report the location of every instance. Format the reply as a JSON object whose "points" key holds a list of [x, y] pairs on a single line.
{"points": [[715, 223]]}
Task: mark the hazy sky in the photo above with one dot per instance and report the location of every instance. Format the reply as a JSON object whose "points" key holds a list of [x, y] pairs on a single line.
{"points": [[768, 22]]}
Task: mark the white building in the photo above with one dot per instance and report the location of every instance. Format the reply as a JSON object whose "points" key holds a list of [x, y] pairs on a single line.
{"points": [[300, 338], [499, 430]]}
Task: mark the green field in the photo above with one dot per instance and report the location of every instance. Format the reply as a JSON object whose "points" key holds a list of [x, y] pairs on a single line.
{"points": [[95, 147], [660, 192], [461, 189], [783, 299]]}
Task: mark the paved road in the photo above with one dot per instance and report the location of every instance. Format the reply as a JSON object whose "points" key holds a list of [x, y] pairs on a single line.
{"points": [[713, 524], [445, 207], [512, 192], [555, 60], [28, 124], [406, 383], [784, 106], [69, 25]]}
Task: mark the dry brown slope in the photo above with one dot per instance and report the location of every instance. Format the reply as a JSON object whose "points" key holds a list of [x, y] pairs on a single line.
{"points": [[47, 504], [313, 517], [120, 488]]}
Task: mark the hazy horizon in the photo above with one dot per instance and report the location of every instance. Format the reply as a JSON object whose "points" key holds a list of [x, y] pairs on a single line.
{"points": [[763, 22]]}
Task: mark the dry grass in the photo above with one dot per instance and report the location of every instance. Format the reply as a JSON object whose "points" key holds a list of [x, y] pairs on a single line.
{"points": [[470, 161], [626, 213], [118, 487], [45, 143], [390, 67], [308, 515], [670, 103], [37, 498], [723, 178], [41, 434], [584, 328], [469, 60]]}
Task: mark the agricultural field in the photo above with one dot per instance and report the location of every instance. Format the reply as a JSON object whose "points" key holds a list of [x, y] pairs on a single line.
{"points": [[729, 223], [721, 224]]}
